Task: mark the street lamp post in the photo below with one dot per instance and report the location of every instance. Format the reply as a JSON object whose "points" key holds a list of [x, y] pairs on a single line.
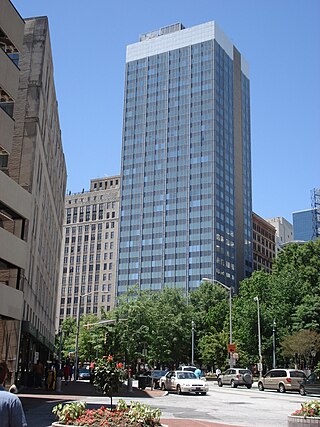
{"points": [[259, 336], [76, 356], [60, 347], [274, 345], [229, 289], [192, 342]]}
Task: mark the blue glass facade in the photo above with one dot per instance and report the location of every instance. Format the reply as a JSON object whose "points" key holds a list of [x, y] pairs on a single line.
{"points": [[304, 225], [178, 221]]}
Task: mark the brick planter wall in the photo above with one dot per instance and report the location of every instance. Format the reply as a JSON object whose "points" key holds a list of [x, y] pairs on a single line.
{"points": [[294, 421]]}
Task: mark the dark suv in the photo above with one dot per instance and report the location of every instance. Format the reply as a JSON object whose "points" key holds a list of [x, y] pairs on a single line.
{"points": [[235, 377]]}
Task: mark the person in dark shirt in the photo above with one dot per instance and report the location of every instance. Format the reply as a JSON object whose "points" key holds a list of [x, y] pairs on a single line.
{"points": [[11, 412]]}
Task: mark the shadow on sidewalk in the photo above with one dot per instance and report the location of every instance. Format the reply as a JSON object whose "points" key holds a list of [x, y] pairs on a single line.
{"points": [[31, 397]]}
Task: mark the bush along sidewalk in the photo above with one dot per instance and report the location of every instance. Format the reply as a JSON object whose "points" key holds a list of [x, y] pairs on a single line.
{"points": [[135, 415]]}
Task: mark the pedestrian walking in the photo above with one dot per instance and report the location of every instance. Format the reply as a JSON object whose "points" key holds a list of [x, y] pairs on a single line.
{"points": [[67, 373], [198, 373], [218, 372], [38, 374], [91, 370], [11, 411]]}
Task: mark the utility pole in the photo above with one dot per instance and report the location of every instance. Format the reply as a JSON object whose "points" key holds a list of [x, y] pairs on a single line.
{"points": [[259, 336], [192, 342], [274, 344]]}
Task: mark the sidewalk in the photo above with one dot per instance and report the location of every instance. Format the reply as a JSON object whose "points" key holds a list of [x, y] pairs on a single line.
{"points": [[41, 402], [83, 388]]}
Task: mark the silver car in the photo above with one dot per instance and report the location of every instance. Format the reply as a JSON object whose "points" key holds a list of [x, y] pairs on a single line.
{"points": [[183, 382], [235, 377], [282, 380]]}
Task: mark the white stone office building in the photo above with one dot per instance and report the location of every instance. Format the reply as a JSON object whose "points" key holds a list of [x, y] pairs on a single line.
{"points": [[89, 253], [15, 201], [284, 231], [37, 164]]}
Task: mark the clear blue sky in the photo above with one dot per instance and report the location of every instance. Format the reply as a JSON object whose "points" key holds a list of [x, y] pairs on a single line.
{"points": [[279, 38]]}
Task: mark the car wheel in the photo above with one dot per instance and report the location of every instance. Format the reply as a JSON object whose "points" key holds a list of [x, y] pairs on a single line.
{"points": [[203, 393], [282, 388], [260, 386], [220, 383], [302, 390], [179, 390], [233, 384], [249, 385], [163, 387]]}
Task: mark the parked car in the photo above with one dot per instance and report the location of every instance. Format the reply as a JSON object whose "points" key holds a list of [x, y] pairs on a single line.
{"points": [[154, 377], [282, 380], [183, 382], [310, 385], [235, 377], [187, 368], [84, 374], [191, 368]]}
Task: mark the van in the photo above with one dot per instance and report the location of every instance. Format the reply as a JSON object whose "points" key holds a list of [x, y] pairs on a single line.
{"points": [[282, 380]]}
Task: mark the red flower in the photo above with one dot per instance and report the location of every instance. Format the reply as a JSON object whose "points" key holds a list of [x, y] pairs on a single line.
{"points": [[110, 358], [120, 365]]}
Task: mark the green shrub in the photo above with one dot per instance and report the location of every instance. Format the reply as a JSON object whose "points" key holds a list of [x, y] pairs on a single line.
{"points": [[69, 412]]}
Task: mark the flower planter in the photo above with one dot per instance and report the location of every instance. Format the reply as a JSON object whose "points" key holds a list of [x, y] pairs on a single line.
{"points": [[294, 421], [56, 424]]}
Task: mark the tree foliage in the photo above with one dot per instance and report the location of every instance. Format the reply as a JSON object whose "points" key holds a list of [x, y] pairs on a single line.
{"points": [[156, 326], [300, 345], [289, 297]]}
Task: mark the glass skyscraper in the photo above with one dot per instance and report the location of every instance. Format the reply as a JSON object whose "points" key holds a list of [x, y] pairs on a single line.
{"points": [[304, 225], [186, 161]]}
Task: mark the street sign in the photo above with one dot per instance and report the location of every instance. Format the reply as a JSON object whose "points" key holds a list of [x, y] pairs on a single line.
{"points": [[232, 348]]}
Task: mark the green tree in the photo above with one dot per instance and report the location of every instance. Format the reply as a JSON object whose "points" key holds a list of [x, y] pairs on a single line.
{"points": [[210, 312], [289, 296], [212, 347], [91, 338], [304, 261], [300, 345], [156, 326]]}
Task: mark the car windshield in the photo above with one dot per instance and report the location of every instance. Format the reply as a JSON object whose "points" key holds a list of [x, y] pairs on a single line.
{"points": [[297, 374], [186, 375]]}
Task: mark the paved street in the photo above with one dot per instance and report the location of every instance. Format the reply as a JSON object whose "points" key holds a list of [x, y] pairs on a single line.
{"points": [[231, 407]]}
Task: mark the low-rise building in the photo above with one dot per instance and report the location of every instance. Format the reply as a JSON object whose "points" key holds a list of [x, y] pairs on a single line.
{"points": [[89, 253], [263, 243], [284, 231]]}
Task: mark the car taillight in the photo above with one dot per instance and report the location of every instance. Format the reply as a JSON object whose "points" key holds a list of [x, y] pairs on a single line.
{"points": [[289, 380]]}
